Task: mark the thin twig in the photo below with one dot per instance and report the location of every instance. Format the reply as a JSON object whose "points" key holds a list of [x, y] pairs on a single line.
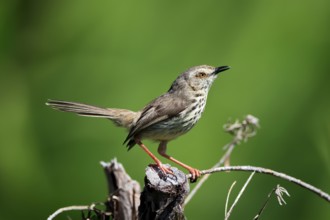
{"points": [[239, 196], [264, 205], [299, 182], [228, 195], [69, 208], [279, 192]]}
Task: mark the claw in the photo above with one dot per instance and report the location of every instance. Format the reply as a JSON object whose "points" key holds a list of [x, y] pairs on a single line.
{"points": [[195, 174], [165, 169], [162, 170]]}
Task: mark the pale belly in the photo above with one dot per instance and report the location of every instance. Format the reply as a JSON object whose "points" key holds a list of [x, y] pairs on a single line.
{"points": [[174, 127]]}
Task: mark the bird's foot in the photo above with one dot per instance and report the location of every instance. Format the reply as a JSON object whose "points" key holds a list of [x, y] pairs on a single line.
{"points": [[195, 174], [162, 170]]}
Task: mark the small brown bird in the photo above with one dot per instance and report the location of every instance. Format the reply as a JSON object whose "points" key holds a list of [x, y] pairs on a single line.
{"points": [[163, 119]]}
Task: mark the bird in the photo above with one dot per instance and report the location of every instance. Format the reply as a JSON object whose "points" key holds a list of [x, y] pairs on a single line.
{"points": [[165, 118]]}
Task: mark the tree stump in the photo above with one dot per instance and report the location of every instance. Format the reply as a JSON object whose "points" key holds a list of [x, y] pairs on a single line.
{"points": [[163, 196], [124, 193]]}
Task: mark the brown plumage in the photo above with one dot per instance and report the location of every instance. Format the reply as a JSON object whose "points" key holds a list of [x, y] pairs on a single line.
{"points": [[163, 119]]}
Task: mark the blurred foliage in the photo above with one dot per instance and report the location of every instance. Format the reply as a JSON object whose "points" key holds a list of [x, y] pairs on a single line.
{"points": [[125, 53]]}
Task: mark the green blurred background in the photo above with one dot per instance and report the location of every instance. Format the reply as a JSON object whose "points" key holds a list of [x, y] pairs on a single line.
{"points": [[125, 53]]}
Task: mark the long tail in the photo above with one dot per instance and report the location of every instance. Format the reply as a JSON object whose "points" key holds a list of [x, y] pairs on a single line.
{"points": [[121, 117]]}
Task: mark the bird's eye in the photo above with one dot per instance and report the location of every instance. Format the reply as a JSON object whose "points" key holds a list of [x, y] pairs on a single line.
{"points": [[201, 75]]}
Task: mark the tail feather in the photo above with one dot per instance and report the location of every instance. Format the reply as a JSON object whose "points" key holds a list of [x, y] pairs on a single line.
{"points": [[121, 117]]}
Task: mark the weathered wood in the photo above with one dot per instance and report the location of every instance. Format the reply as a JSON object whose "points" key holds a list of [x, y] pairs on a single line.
{"points": [[163, 196], [124, 193]]}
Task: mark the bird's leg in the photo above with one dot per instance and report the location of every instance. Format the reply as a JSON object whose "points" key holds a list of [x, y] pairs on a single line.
{"points": [[157, 161], [162, 151]]}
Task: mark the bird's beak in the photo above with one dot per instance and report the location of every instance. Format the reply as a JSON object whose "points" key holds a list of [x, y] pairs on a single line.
{"points": [[220, 69]]}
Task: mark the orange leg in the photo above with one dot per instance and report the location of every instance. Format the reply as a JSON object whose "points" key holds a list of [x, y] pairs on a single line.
{"points": [[162, 151], [157, 161]]}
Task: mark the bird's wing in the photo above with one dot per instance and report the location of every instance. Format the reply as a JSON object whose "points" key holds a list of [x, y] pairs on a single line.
{"points": [[161, 108]]}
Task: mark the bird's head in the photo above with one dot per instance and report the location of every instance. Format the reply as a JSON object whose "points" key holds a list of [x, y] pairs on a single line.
{"points": [[198, 78]]}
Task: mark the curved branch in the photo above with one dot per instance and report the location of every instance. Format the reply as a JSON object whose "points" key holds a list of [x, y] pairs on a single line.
{"points": [[299, 182], [69, 208]]}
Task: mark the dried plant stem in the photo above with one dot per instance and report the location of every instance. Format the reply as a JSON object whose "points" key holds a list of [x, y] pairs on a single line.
{"points": [[279, 191], [239, 196], [228, 195], [299, 182]]}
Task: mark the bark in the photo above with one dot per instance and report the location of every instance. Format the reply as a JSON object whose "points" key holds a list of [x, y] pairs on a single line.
{"points": [[124, 193], [163, 196]]}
